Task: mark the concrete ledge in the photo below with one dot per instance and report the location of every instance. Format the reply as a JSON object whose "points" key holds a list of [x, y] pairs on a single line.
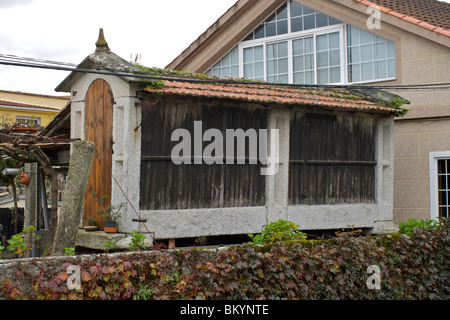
{"points": [[171, 224], [339, 216], [384, 227], [96, 239]]}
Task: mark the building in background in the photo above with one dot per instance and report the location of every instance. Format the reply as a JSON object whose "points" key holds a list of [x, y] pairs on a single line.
{"points": [[29, 109]]}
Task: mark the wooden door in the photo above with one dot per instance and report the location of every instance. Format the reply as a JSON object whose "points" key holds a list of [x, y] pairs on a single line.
{"points": [[98, 129]]}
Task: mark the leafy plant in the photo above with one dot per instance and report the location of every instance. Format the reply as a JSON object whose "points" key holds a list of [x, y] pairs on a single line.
{"points": [[1, 250], [109, 245], [137, 241], [407, 227], [22, 242], [91, 222], [69, 251], [277, 231], [144, 293], [108, 211]]}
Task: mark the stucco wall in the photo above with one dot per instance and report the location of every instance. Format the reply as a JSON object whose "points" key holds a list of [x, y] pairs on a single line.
{"points": [[425, 129]]}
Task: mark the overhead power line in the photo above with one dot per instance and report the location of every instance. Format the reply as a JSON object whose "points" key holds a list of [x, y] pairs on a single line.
{"points": [[11, 60]]}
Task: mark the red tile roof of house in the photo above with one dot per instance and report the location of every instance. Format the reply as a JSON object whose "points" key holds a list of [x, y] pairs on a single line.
{"points": [[272, 94], [4, 103], [429, 14]]}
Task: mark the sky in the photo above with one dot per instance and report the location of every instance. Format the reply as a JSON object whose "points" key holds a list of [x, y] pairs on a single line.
{"points": [[66, 31]]}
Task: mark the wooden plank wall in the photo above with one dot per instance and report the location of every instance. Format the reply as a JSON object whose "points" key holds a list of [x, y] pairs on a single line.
{"points": [[165, 185], [332, 159]]}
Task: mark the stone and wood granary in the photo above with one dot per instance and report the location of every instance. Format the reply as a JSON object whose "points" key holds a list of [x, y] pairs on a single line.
{"points": [[335, 151]]}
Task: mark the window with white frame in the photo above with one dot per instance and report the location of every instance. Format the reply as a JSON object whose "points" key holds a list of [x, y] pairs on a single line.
{"points": [[299, 45], [440, 184], [26, 121]]}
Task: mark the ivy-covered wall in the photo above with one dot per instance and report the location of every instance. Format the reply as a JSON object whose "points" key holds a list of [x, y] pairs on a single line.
{"points": [[414, 266]]}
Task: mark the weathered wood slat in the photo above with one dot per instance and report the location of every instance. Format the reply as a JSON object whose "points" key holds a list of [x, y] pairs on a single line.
{"points": [[165, 185], [332, 159]]}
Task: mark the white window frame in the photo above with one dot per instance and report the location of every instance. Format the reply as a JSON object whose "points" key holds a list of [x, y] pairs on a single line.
{"points": [[434, 187], [26, 119], [289, 37]]}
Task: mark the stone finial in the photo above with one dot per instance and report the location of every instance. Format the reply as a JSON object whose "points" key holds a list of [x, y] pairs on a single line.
{"points": [[101, 44]]}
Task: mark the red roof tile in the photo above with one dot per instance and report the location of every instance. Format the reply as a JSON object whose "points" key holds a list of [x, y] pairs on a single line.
{"points": [[272, 94], [430, 14], [4, 103]]}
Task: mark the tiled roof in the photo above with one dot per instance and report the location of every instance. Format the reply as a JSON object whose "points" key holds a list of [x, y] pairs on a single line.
{"points": [[4, 103], [429, 14], [271, 94]]}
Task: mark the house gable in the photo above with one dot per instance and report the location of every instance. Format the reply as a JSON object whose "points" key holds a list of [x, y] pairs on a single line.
{"points": [[244, 16]]}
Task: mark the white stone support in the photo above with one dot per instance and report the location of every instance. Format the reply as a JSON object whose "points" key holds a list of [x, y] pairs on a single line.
{"points": [[277, 185], [384, 188]]}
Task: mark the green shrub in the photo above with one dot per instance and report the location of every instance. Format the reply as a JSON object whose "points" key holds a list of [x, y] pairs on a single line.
{"points": [[278, 231], [407, 227], [137, 241]]}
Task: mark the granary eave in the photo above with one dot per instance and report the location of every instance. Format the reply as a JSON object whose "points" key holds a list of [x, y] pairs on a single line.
{"points": [[274, 94]]}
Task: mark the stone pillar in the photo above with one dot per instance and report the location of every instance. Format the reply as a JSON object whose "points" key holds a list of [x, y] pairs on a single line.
{"points": [[384, 177], [75, 191], [277, 185]]}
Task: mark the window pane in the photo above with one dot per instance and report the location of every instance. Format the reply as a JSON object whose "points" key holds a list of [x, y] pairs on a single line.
{"points": [[332, 21], [335, 75], [248, 54], [390, 50], [299, 78], [259, 32], [367, 71], [297, 24], [307, 10], [366, 53], [299, 63], [228, 66], [381, 50], [259, 53], [353, 36], [322, 59], [354, 73], [391, 68], [334, 40], [335, 58], [283, 66], [381, 69], [283, 49], [309, 77], [296, 9], [322, 42], [366, 37], [248, 71], [354, 55], [271, 29], [271, 68], [282, 27], [321, 20], [282, 12], [322, 76], [309, 62], [309, 22]]}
